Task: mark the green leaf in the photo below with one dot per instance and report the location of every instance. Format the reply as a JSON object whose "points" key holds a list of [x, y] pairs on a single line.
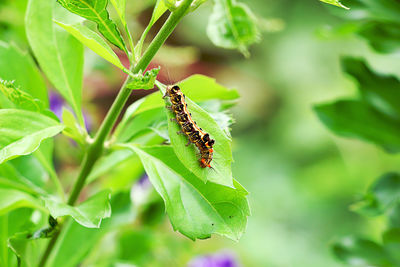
{"points": [[146, 81], [361, 252], [391, 242], [383, 37], [158, 11], [27, 238], [140, 123], [195, 209], [375, 10], [30, 168], [358, 119], [20, 98], [19, 66], [26, 248], [89, 214], [6, 182], [221, 172], [44, 155], [172, 5], [394, 216], [72, 128], [11, 223], [12, 175], [21, 132], [93, 41], [65, 253], [11, 199], [218, 112], [23, 100], [201, 88], [198, 87], [128, 115], [121, 176], [382, 194], [378, 22], [196, 4], [59, 54], [335, 3], [142, 250], [232, 25], [381, 91], [96, 11], [120, 6], [109, 162], [28, 244]]}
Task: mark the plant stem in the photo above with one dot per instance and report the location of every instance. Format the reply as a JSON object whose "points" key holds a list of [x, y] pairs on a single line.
{"points": [[95, 150]]}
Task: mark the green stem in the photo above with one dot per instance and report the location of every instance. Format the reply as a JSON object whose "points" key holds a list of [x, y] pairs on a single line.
{"points": [[49, 248], [95, 149]]}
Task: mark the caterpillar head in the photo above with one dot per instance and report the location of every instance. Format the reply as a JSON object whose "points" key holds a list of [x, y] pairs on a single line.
{"points": [[174, 89]]}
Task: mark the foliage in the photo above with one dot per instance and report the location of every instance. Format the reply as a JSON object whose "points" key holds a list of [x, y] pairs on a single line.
{"points": [[93, 41], [97, 11], [197, 210], [144, 81], [232, 25], [376, 21], [199, 202], [335, 3], [383, 197], [373, 117], [59, 54]]}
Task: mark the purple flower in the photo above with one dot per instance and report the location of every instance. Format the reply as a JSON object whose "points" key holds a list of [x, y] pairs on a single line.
{"points": [[144, 181], [219, 259], [88, 120], [56, 104]]}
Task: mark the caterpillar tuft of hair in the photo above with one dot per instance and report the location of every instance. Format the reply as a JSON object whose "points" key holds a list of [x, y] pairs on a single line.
{"points": [[195, 134]]}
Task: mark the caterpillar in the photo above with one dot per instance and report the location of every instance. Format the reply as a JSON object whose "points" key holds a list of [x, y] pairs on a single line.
{"points": [[195, 134]]}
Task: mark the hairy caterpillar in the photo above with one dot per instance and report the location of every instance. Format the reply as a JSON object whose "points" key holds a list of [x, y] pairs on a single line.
{"points": [[195, 134]]}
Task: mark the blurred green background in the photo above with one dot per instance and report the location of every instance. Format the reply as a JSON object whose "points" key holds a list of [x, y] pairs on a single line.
{"points": [[301, 178]]}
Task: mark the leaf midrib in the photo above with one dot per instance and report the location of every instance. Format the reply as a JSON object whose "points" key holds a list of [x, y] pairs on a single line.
{"points": [[103, 22]]}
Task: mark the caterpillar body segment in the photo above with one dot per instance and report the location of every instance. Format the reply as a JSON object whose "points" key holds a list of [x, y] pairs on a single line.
{"points": [[195, 134]]}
